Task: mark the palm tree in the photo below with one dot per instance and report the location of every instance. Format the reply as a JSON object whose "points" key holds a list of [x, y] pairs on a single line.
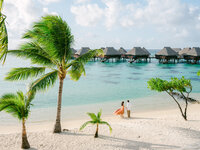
{"points": [[96, 119], [49, 47], [3, 35], [18, 105]]}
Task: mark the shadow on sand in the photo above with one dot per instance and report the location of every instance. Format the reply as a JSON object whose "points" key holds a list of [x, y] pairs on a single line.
{"points": [[136, 145], [127, 144], [194, 134]]}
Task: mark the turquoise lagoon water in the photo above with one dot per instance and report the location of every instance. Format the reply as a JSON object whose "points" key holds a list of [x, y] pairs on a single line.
{"points": [[104, 83]]}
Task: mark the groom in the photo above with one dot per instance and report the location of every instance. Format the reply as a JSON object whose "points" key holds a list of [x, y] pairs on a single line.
{"points": [[128, 106]]}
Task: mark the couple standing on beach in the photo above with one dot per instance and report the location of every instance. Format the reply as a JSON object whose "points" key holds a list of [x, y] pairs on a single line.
{"points": [[120, 111]]}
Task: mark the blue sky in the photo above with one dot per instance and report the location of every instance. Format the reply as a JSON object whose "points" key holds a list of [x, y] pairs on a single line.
{"points": [[101, 23]]}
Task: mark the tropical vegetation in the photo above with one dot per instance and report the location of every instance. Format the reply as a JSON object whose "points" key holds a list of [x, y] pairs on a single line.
{"points": [[48, 46], [3, 35], [176, 88], [96, 119], [18, 105]]}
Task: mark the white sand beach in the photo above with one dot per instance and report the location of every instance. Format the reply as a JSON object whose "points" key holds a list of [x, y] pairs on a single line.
{"points": [[155, 130]]}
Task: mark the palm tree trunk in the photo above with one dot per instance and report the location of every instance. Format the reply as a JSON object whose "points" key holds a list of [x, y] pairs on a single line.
{"points": [[96, 134], [25, 143], [57, 127]]}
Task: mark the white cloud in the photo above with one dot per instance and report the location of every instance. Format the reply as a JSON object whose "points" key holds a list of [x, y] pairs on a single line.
{"points": [[167, 16], [20, 16], [46, 11], [82, 1], [87, 15], [46, 2], [111, 12]]}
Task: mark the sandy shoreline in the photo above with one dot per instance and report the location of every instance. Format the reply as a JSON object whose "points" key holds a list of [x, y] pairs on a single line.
{"points": [[155, 130]]}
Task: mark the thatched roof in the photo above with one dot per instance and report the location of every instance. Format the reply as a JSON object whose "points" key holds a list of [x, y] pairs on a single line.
{"points": [[177, 49], [184, 51], [195, 51], [109, 51], [146, 50], [73, 51], [82, 51], [122, 50], [167, 51], [138, 51]]}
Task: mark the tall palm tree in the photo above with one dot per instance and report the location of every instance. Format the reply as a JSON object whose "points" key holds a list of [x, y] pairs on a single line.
{"points": [[49, 47], [3, 35], [96, 119], [18, 105]]}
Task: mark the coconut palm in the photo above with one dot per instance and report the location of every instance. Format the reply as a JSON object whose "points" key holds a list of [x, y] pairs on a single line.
{"points": [[3, 35], [18, 105], [49, 46], [96, 119]]}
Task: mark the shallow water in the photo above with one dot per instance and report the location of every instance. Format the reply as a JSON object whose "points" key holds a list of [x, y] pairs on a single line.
{"points": [[104, 82]]}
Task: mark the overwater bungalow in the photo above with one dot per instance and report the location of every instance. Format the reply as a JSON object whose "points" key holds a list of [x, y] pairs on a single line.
{"points": [[82, 51], [166, 55], [193, 56], [138, 54], [110, 53], [146, 51]]}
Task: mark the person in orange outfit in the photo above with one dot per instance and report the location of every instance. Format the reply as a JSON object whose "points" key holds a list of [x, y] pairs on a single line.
{"points": [[120, 111]]}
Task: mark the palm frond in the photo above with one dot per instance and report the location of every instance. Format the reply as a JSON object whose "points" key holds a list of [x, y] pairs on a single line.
{"points": [[54, 35], [45, 81], [99, 114], [77, 66], [103, 122], [92, 116], [29, 98], [11, 104], [24, 73], [35, 53], [3, 38], [18, 105], [9, 96], [85, 124], [1, 5], [76, 71], [20, 96]]}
